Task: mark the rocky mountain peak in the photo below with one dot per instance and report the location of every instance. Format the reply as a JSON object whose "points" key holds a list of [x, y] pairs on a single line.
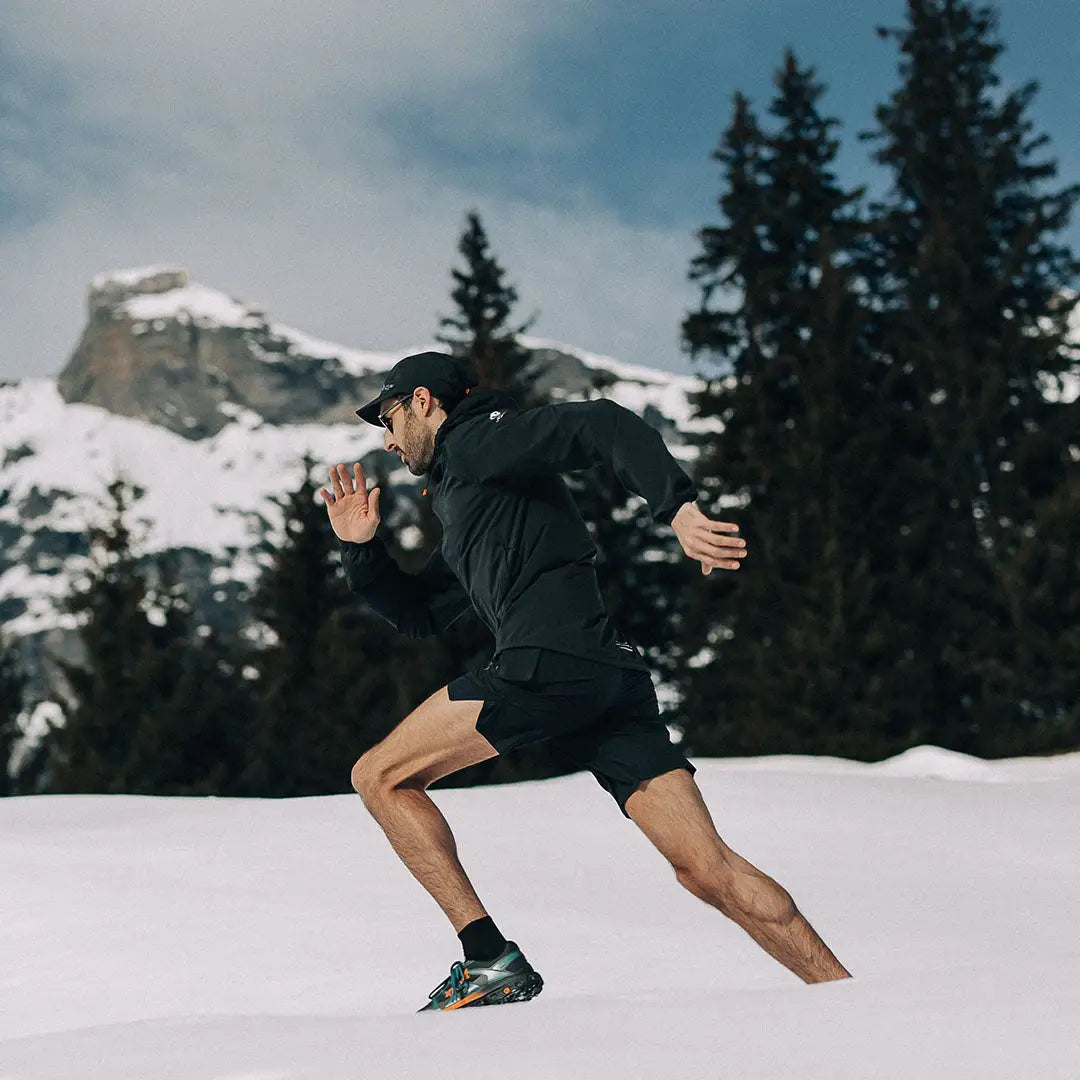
{"points": [[161, 348]]}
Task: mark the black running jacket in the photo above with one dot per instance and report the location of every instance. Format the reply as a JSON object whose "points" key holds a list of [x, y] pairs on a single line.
{"points": [[514, 546]]}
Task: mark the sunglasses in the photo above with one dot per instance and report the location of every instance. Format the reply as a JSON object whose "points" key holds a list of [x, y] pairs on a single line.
{"points": [[383, 416]]}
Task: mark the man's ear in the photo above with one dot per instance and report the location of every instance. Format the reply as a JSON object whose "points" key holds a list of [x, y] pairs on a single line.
{"points": [[425, 401]]}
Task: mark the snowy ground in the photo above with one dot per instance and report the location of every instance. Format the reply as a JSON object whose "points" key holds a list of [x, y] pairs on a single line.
{"points": [[206, 939]]}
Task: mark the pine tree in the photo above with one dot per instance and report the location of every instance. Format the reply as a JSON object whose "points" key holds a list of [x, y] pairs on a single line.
{"points": [[1043, 575], [151, 713], [191, 737], [293, 600], [733, 257], [90, 753], [790, 664], [973, 330], [12, 688], [482, 332]]}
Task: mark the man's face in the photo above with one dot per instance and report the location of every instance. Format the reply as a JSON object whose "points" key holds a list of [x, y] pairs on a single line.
{"points": [[408, 432]]}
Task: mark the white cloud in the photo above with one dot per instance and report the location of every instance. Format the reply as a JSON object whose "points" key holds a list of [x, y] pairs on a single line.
{"points": [[362, 259], [267, 174], [227, 55]]}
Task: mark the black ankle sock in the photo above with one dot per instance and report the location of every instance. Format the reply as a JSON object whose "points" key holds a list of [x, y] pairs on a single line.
{"points": [[481, 940]]}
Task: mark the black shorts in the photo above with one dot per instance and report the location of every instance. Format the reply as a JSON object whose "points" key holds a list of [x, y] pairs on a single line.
{"points": [[606, 719]]}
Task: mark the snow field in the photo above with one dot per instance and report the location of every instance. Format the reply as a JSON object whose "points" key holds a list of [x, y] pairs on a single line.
{"points": [[227, 939]]}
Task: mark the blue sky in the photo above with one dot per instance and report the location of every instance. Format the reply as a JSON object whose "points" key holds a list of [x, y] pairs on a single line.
{"points": [[318, 156]]}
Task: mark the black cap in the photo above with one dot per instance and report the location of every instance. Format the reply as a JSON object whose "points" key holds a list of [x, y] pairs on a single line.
{"points": [[445, 376]]}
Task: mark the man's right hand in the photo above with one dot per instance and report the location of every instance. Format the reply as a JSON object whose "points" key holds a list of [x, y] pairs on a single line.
{"points": [[354, 515], [703, 539]]}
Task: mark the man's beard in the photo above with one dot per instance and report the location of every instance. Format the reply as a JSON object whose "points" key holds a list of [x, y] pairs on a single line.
{"points": [[419, 462]]}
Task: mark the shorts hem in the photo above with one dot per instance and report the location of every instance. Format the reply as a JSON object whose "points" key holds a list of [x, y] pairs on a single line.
{"points": [[622, 799]]}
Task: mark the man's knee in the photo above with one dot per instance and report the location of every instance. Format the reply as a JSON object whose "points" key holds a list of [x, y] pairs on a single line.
{"points": [[360, 776], [375, 775], [370, 777]]}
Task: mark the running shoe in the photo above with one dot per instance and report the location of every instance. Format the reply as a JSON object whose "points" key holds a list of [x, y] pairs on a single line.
{"points": [[506, 979]]}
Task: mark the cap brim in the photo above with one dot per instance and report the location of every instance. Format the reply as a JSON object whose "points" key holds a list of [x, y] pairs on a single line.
{"points": [[370, 411]]}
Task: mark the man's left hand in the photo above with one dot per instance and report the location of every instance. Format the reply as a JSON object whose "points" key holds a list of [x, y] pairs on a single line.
{"points": [[708, 541]]}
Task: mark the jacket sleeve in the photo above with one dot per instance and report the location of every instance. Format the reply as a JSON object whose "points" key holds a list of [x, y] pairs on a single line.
{"points": [[414, 604], [570, 436]]}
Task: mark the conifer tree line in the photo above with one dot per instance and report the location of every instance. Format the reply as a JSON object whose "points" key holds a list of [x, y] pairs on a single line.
{"points": [[910, 492], [885, 374]]}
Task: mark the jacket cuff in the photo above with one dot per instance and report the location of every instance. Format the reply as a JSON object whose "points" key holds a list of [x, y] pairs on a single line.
{"points": [[362, 562], [664, 517]]}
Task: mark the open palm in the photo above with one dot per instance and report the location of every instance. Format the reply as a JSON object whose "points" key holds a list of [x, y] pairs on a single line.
{"points": [[354, 514]]}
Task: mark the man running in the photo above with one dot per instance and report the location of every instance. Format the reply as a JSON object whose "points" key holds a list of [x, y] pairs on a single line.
{"points": [[515, 548]]}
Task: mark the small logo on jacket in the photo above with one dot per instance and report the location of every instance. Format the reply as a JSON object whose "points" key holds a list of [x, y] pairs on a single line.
{"points": [[497, 415]]}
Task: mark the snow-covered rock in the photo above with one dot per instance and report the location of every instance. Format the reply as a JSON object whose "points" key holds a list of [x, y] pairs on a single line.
{"points": [[162, 348]]}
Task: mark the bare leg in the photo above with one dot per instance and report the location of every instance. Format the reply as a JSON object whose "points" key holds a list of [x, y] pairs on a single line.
{"points": [[435, 739], [671, 812]]}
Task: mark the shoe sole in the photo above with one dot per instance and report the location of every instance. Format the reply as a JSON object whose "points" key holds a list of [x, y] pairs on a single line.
{"points": [[522, 989]]}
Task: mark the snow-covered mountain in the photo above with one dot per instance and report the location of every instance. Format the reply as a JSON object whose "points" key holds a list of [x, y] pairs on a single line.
{"points": [[207, 408]]}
